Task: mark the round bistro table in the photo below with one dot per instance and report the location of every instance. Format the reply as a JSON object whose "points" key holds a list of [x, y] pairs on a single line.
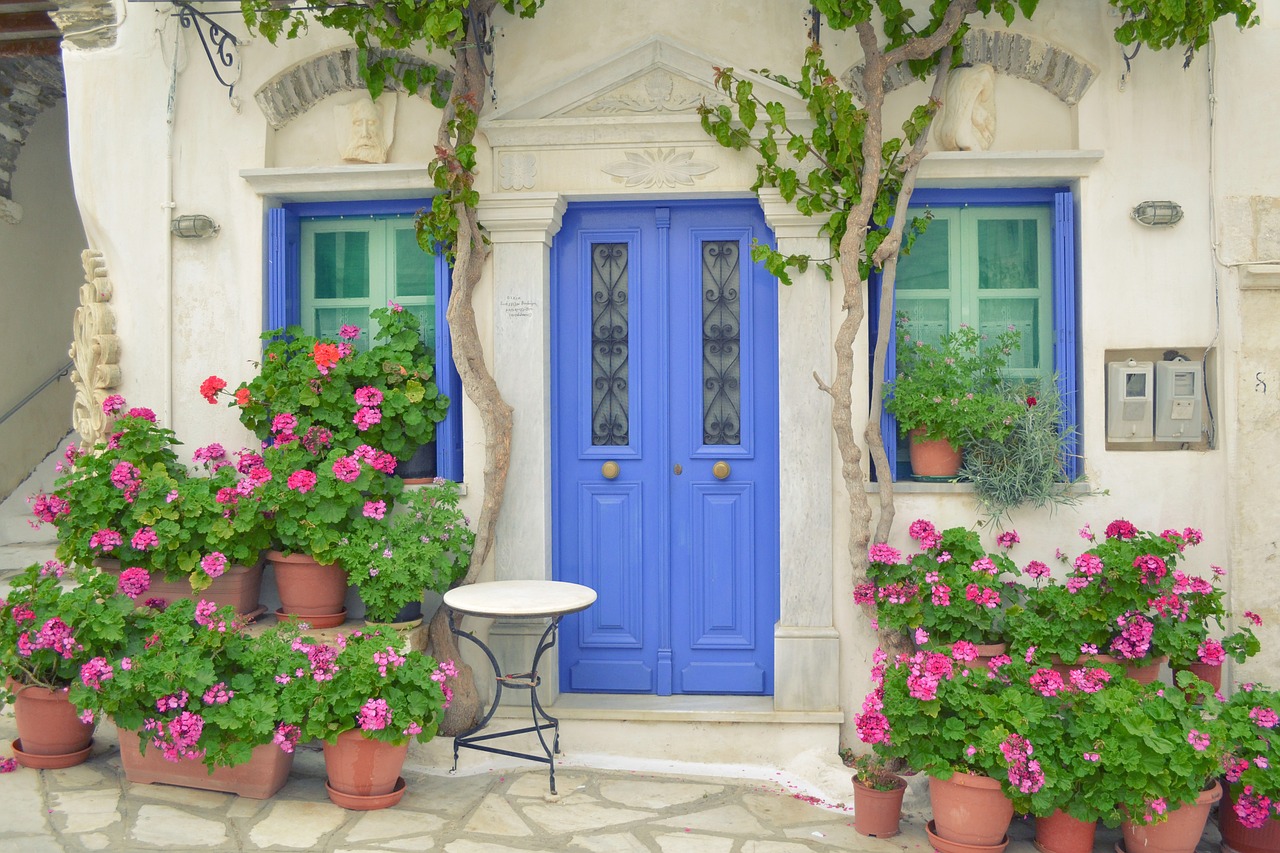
{"points": [[516, 600]]}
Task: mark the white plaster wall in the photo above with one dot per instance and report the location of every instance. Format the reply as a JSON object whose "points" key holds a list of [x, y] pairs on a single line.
{"points": [[39, 289], [197, 305]]}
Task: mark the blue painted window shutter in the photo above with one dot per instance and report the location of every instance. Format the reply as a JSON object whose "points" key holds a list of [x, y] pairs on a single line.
{"points": [[284, 301], [1064, 320], [284, 306]]}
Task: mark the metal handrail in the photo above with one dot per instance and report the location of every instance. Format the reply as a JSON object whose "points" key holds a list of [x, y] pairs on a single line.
{"points": [[58, 374]]}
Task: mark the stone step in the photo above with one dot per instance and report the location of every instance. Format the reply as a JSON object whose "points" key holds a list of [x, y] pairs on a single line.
{"points": [[15, 511]]}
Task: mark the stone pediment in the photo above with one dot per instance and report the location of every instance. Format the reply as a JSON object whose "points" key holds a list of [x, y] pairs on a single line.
{"points": [[656, 78]]}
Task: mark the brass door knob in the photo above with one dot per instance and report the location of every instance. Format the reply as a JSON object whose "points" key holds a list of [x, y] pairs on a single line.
{"points": [[720, 470], [609, 470]]}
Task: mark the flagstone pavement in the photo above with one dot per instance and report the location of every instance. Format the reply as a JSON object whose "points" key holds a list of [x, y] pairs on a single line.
{"points": [[91, 807]]}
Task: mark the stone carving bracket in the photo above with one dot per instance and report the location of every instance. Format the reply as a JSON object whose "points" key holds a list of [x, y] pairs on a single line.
{"points": [[95, 352]]}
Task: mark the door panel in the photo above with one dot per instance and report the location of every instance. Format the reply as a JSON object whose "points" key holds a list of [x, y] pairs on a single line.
{"points": [[665, 377]]}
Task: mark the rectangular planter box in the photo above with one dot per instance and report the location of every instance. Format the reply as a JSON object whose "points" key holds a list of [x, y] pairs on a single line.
{"points": [[258, 778], [238, 586]]}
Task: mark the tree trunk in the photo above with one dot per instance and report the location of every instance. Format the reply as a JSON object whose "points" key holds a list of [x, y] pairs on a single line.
{"points": [[465, 709], [471, 252]]}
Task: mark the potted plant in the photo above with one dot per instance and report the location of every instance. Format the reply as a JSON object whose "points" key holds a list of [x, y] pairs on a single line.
{"points": [[366, 700], [960, 724], [130, 503], [951, 590], [313, 498], [1076, 714], [195, 698], [54, 625], [1117, 601], [1249, 816], [1165, 753], [424, 545], [383, 396], [950, 393], [877, 796], [1197, 602], [1028, 466]]}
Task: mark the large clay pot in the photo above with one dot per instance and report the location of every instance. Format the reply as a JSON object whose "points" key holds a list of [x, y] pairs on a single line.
{"points": [[238, 587], [1062, 833], [1143, 673], [308, 588], [935, 458], [970, 809], [49, 727], [363, 767], [987, 652], [259, 778], [1179, 832], [1211, 675], [1238, 838], [876, 813]]}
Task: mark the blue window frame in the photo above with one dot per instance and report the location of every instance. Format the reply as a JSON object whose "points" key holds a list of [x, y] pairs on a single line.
{"points": [[1060, 207], [284, 300]]}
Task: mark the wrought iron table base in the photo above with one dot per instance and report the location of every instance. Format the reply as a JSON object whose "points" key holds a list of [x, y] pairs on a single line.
{"points": [[517, 681]]}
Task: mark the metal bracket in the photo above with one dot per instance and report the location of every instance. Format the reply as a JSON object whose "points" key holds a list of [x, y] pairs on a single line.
{"points": [[220, 46]]}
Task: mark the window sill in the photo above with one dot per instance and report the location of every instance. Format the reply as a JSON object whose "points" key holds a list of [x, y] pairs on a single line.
{"points": [[911, 487], [462, 487]]}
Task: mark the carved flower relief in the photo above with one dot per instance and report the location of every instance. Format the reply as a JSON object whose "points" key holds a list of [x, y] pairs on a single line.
{"points": [[517, 171], [659, 168]]}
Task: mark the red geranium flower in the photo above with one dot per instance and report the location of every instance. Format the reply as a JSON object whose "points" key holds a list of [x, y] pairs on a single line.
{"points": [[242, 397], [326, 356], [1031, 401], [210, 387]]}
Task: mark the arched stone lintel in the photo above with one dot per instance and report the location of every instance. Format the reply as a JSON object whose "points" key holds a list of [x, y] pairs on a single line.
{"points": [[1058, 71], [294, 91]]}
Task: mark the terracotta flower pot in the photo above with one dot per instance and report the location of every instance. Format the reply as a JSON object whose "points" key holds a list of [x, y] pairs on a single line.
{"points": [[936, 458], [1143, 673], [1211, 675], [1238, 838], [1062, 833], [48, 724], [970, 809], [259, 778], [942, 845], [362, 766], [308, 588], [876, 813], [1179, 832], [987, 652]]}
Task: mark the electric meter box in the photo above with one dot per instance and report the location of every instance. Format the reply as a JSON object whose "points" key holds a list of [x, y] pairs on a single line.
{"points": [[1179, 400], [1130, 397]]}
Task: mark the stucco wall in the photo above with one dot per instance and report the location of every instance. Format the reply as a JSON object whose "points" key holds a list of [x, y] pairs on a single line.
{"points": [[39, 287], [191, 308]]}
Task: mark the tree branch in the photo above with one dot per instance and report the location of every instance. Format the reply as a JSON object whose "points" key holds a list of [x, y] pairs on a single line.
{"points": [[886, 256], [923, 47]]}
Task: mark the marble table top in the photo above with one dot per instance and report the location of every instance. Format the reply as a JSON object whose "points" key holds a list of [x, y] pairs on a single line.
{"points": [[520, 598]]}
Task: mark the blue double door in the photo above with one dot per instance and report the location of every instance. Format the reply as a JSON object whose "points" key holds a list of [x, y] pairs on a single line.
{"points": [[665, 447]]}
